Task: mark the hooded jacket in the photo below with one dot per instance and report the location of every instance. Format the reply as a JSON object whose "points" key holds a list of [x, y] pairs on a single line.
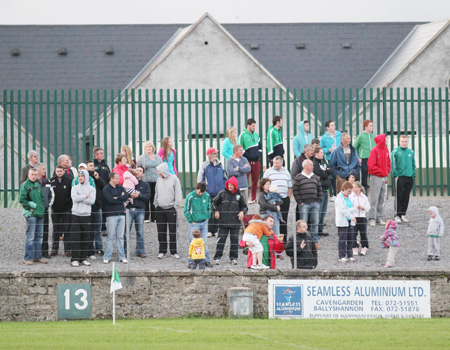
{"points": [[120, 170], [229, 204], [213, 175], [436, 225], [379, 162], [168, 189], [82, 205], [300, 140], [326, 142], [338, 161], [390, 238], [306, 257]]}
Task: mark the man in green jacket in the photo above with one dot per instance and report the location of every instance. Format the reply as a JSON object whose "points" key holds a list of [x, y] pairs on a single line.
{"points": [[275, 139], [363, 145], [197, 210], [32, 201], [403, 172]]}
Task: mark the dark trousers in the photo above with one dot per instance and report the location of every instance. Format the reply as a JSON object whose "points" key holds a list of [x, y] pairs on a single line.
{"points": [[333, 185], [44, 248], [361, 227], [199, 262], [234, 242], [403, 187], [61, 227], [284, 209], [149, 207], [81, 227], [166, 219], [213, 226], [256, 169], [365, 175], [346, 238]]}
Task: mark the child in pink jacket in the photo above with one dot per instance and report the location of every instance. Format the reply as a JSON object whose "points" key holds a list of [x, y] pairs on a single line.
{"points": [[129, 183]]}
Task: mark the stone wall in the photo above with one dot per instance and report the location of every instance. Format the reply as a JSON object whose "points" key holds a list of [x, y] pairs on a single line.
{"points": [[33, 296]]}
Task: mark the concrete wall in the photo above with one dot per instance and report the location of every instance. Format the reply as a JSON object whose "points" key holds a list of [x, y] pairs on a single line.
{"points": [[33, 296]]}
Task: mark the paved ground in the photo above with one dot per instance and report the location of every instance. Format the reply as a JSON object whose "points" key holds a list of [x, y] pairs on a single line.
{"points": [[412, 254]]}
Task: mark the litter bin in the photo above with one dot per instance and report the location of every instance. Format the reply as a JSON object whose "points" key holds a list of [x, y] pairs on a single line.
{"points": [[240, 302]]}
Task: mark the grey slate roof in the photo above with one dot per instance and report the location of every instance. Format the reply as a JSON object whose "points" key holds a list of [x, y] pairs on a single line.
{"points": [[324, 63]]}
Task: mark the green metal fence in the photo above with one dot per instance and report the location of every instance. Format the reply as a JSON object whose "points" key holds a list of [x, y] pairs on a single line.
{"points": [[74, 122]]}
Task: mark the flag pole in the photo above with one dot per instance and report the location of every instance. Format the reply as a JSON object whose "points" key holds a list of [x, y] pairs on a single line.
{"points": [[114, 299]]}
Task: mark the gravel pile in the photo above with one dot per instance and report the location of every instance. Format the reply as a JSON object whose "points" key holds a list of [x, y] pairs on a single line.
{"points": [[412, 254]]}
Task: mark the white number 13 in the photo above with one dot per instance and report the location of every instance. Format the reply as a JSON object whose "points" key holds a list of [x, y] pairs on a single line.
{"points": [[83, 299]]}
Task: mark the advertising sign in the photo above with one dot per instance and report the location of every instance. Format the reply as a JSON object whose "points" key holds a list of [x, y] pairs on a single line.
{"points": [[334, 299]]}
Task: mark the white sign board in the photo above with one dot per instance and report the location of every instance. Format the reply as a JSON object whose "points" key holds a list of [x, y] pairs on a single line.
{"points": [[334, 299]]}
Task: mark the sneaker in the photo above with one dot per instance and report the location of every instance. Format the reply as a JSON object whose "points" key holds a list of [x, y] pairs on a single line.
{"points": [[209, 235], [161, 256], [104, 233], [41, 261], [105, 261], [28, 262], [388, 264], [332, 198], [54, 253], [86, 263], [355, 252], [372, 223], [208, 264], [324, 234], [190, 265], [343, 260], [398, 220], [93, 257], [381, 221], [254, 267], [233, 262], [436, 258], [252, 202], [430, 257], [100, 252], [352, 260], [124, 261], [142, 256], [75, 264], [175, 256], [217, 262], [404, 219], [364, 251], [146, 221], [262, 266]]}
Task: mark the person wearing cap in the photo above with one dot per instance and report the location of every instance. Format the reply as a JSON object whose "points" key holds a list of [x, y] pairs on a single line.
{"points": [[251, 142], [211, 172], [76, 181]]}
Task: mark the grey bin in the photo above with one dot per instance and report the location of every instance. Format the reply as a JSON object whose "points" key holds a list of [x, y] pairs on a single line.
{"points": [[240, 302]]}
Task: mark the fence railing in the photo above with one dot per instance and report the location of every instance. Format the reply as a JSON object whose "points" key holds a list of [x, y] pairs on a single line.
{"points": [[74, 122]]}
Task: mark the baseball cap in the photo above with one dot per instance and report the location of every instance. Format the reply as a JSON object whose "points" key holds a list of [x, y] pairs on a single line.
{"points": [[211, 150]]}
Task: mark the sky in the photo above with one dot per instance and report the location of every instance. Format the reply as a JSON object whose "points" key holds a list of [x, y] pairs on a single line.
{"points": [[230, 11]]}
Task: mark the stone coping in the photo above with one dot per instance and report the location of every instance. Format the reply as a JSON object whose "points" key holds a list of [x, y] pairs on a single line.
{"points": [[244, 272]]}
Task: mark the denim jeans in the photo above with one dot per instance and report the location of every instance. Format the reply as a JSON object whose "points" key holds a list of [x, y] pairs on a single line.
{"points": [[33, 240], [199, 262], [137, 215], [115, 226], [323, 210], [96, 224], [311, 211], [203, 227]]}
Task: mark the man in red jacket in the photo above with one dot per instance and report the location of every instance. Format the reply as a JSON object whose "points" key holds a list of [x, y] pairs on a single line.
{"points": [[379, 164]]}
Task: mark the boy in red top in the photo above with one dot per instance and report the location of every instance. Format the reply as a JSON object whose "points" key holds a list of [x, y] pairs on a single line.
{"points": [[379, 164]]}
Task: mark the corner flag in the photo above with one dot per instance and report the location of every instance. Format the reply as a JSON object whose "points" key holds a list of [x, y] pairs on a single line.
{"points": [[115, 281]]}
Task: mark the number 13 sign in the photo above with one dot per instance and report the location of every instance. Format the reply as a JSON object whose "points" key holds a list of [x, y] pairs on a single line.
{"points": [[74, 301]]}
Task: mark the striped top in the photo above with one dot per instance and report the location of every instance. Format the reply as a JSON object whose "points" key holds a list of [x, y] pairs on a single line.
{"points": [[281, 178]]}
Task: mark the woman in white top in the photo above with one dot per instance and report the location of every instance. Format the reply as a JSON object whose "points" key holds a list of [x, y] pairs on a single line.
{"points": [[362, 205]]}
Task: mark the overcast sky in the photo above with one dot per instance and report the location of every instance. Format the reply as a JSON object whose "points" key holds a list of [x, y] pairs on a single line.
{"points": [[229, 11]]}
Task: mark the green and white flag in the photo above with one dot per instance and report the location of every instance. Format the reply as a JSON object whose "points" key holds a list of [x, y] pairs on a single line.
{"points": [[115, 281]]}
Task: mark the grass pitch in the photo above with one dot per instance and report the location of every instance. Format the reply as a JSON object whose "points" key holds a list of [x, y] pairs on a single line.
{"points": [[197, 334]]}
